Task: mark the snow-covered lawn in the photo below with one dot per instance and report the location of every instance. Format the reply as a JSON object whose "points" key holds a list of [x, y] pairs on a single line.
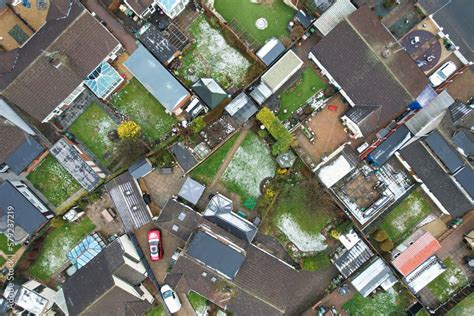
{"points": [[302, 240], [211, 56], [449, 282], [382, 303], [251, 164]]}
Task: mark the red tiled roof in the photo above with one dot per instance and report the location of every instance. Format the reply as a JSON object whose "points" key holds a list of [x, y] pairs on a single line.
{"points": [[416, 254]]}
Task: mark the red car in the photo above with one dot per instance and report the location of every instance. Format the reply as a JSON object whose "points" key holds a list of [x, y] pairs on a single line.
{"points": [[154, 242]]}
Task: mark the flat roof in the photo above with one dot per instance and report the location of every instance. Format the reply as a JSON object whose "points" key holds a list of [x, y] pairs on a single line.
{"points": [[72, 161], [156, 78], [282, 70], [443, 151], [333, 16], [215, 254], [151, 37]]}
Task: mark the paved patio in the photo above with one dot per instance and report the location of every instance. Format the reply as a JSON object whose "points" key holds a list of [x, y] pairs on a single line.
{"points": [[162, 187]]}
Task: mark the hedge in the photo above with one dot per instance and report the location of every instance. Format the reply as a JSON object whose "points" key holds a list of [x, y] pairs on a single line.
{"points": [[284, 139]]}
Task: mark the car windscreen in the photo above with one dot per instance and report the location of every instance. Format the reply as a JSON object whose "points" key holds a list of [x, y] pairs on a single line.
{"points": [[168, 294]]}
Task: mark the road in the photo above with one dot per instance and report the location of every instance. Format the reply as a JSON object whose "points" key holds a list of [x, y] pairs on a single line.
{"points": [[112, 24]]}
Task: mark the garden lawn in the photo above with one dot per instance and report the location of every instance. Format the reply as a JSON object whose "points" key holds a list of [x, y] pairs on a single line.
{"points": [[210, 56], [401, 221], [307, 85], [92, 129], [4, 246], [206, 171], [140, 106], [465, 307], [56, 245], [51, 179], [319, 261], [251, 164], [448, 282], [198, 303], [382, 303], [246, 13]]}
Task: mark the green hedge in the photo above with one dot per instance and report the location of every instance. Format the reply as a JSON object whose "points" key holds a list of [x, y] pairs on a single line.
{"points": [[283, 137]]}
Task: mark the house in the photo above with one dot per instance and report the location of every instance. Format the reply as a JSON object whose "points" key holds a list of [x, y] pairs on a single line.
{"points": [[389, 146], [69, 47], [140, 168], [333, 15], [376, 274], [31, 297], [19, 144], [157, 80], [143, 8], [270, 51], [71, 159], [110, 284], [209, 91], [241, 108], [191, 190], [129, 203], [360, 57], [415, 250], [362, 120], [219, 211], [29, 213], [276, 76], [451, 18], [160, 46], [432, 173]]}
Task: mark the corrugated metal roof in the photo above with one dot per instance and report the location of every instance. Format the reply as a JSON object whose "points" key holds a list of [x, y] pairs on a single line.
{"points": [[353, 259], [416, 254], [372, 277], [335, 14]]}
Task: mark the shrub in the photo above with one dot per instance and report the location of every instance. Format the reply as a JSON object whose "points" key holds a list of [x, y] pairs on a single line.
{"points": [[386, 245], [129, 129], [380, 235], [284, 139], [198, 124]]}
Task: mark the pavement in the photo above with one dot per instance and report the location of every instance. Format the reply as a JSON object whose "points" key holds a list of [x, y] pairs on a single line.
{"points": [[162, 187], [112, 24]]}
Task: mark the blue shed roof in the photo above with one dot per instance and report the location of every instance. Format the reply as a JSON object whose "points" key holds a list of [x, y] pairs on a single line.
{"points": [[24, 155], [156, 78], [385, 150], [271, 51]]}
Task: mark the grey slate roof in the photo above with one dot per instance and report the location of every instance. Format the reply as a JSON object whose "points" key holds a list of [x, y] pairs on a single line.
{"points": [[241, 108], [353, 259], [151, 37], [27, 216], [92, 289], [77, 167], [191, 190], [209, 92], [353, 48], [156, 79], [437, 181], [140, 168], [366, 117], [219, 211], [128, 201], [384, 151], [466, 178], [183, 156], [270, 52], [80, 41], [215, 254], [446, 154], [463, 139], [24, 155]]}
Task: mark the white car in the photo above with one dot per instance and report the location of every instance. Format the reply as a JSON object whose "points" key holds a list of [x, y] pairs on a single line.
{"points": [[443, 73], [171, 298]]}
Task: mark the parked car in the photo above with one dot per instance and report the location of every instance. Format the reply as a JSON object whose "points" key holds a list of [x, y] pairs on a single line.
{"points": [[443, 73], [154, 243], [170, 298]]}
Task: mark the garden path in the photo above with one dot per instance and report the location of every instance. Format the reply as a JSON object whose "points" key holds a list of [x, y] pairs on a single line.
{"points": [[228, 158]]}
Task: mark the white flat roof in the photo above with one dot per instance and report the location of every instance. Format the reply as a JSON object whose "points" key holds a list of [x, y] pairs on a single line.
{"points": [[335, 14], [283, 69], [331, 173]]}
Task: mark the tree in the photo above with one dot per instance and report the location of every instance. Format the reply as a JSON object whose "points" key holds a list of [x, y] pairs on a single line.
{"points": [[386, 245], [129, 129], [284, 139], [380, 235]]}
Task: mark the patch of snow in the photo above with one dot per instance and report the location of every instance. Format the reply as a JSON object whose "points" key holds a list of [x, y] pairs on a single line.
{"points": [[55, 258], [251, 164], [304, 241]]}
